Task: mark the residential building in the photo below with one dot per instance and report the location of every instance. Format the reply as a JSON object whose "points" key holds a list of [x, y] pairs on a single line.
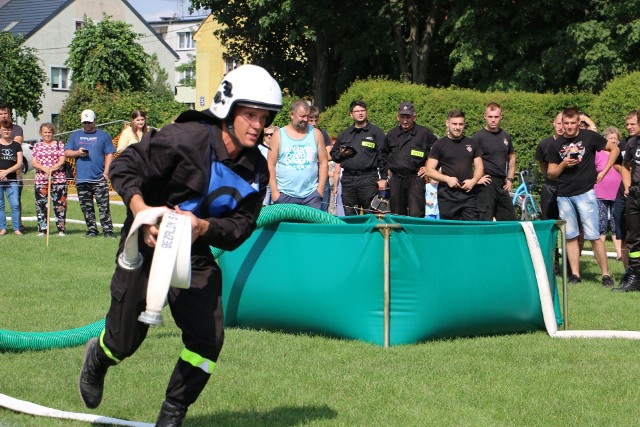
{"points": [[49, 25], [178, 33], [212, 63]]}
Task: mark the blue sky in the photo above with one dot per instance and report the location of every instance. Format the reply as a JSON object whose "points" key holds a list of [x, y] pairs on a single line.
{"points": [[152, 10]]}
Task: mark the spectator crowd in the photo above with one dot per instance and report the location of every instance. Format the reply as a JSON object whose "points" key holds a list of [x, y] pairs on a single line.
{"points": [[589, 177]]}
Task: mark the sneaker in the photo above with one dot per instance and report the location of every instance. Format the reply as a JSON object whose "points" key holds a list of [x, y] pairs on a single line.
{"points": [[61, 234], [91, 381], [171, 415], [109, 235], [574, 279], [90, 234], [42, 234], [607, 281]]}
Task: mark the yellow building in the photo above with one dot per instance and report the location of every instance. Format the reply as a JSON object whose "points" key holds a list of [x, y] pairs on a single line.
{"points": [[211, 62]]}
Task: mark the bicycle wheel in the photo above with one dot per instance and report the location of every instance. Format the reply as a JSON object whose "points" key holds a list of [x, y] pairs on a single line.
{"points": [[530, 209]]}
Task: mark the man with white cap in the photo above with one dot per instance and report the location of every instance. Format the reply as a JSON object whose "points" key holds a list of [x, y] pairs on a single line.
{"points": [[192, 166], [93, 150]]}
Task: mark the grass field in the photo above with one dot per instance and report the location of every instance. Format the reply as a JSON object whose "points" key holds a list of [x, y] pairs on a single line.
{"points": [[277, 379]]}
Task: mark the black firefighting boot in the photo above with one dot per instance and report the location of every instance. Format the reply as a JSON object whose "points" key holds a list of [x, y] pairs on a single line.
{"points": [[632, 285], [171, 415], [91, 381]]}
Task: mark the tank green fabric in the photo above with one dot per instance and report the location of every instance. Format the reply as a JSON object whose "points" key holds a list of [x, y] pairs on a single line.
{"points": [[447, 279]]}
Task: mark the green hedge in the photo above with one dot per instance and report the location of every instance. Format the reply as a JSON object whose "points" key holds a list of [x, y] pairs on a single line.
{"points": [[611, 106], [527, 116]]}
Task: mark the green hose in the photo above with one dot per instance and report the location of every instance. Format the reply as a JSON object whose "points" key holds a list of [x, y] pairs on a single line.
{"points": [[275, 214], [24, 341]]}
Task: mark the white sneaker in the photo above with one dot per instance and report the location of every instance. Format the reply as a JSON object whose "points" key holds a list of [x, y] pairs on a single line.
{"points": [[42, 234], [61, 234]]}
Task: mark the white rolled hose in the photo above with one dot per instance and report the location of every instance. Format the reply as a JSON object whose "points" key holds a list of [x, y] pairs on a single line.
{"points": [[545, 296], [42, 411], [171, 264]]}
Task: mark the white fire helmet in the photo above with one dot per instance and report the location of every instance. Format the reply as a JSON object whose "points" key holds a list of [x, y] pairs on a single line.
{"points": [[250, 86]]}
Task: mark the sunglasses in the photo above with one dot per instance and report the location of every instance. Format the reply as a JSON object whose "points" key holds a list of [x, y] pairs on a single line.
{"points": [[268, 134]]}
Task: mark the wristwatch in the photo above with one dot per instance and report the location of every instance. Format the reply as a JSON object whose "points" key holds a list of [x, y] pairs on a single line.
{"points": [[511, 179]]}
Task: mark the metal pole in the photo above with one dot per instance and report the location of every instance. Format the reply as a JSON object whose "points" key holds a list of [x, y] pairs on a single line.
{"points": [[386, 233], [386, 229], [565, 297]]}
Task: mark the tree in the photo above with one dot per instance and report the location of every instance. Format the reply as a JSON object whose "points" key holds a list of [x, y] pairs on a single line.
{"points": [[21, 76], [321, 47], [315, 47], [108, 53], [190, 69]]}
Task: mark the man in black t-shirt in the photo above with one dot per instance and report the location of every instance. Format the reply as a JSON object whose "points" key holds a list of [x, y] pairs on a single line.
{"points": [[499, 163], [405, 152], [549, 191], [456, 162], [572, 164]]}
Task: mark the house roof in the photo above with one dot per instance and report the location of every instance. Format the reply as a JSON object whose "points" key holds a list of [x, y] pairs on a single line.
{"points": [[25, 17]]}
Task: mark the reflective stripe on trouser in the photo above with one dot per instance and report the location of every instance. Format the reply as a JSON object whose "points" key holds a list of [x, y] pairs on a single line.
{"points": [[197, 361], [106, 349]]}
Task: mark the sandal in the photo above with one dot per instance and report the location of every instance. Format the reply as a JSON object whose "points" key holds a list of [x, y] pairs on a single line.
{"points": [[3, 232], [18, 233]]}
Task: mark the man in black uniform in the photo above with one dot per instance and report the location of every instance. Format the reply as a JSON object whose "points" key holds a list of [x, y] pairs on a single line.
{"points": [[405, 152], [202, 150], [456, 162], [358, 149], [499, 164], [632, 123], [630, 172], [549, 191]]}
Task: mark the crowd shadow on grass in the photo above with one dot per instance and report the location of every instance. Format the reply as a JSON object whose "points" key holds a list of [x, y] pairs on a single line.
{"points": [[281, 417]]}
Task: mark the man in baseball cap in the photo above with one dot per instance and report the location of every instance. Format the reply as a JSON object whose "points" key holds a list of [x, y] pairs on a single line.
{"points": [[87, 116], [405, 151], [93, 150]]}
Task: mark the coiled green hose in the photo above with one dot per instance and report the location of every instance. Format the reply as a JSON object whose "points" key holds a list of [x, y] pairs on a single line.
{"points": [[24, 341]]}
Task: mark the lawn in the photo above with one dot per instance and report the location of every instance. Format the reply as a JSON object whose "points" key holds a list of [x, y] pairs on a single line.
{"points": [[267, 378]]}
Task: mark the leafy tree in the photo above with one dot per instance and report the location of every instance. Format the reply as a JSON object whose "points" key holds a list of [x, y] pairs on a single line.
{"points": [[159, 83], [108, 53], [315, 47], [188, 66], [21, 76], [321, 47]]}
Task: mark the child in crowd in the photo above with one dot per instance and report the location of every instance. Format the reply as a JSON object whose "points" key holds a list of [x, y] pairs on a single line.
{"points": [[431, 200]]}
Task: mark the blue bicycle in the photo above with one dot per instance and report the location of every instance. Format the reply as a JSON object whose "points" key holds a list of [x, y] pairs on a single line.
{"points": [[526, 207]]}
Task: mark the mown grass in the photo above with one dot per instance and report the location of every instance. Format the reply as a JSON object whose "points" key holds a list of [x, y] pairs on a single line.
{"points": [[277, 379]]}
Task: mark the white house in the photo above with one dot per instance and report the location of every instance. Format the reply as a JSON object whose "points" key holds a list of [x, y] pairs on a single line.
{"points": [[178, 33], [49, 25]]}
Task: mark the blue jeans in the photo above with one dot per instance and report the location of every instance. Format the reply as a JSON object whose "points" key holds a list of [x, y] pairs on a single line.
{"points": [[582, 209], [11, 190]]}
